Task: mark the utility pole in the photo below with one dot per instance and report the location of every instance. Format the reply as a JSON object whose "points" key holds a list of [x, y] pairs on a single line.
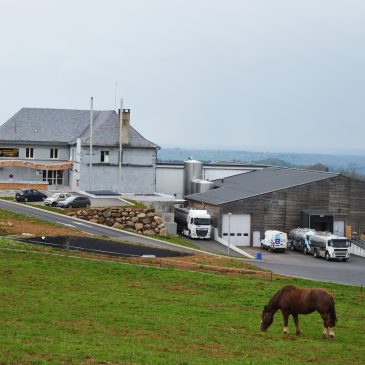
{"points": [[229, 232], [91, 142], [120, 145]]}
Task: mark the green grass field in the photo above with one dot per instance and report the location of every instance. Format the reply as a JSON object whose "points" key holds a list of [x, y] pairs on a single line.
{"points": [[59, 310]]}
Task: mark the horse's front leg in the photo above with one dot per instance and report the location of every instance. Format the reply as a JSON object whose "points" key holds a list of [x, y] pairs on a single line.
{"points": [[286, 318], [296, 321]]}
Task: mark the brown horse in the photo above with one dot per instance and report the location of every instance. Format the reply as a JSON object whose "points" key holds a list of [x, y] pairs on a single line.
{"points": [[293, 300]]}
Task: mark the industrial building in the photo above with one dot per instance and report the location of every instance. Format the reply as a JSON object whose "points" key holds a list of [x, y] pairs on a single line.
{"points": [[50, 148], [244, 206]]}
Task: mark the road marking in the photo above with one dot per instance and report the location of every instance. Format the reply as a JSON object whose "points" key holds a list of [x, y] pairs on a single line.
{"points": [[91, 234], [81, 224], [65, 224]]}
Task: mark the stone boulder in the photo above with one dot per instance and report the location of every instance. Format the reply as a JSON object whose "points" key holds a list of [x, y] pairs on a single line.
{"points": [[118, 225], [164, 232], [150, 232]]}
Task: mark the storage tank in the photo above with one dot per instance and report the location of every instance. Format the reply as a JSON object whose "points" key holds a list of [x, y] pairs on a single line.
{"points": [[201, 186], [193, 185], [193, 170]]}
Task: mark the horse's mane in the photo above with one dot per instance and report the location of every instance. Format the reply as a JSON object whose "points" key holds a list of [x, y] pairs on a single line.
{"points": [[276, 297]]}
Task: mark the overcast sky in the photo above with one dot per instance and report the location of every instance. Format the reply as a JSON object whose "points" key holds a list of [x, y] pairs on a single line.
{"points": [[272, 75]]}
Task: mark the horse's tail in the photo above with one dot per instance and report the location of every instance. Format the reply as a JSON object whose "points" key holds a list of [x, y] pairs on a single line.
{"points": [[332, 314]]}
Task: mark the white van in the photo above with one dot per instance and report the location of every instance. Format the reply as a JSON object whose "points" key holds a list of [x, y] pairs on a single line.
{"points": [[275, 241]]}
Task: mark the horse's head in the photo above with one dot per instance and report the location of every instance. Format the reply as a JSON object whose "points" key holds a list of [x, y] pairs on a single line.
{"points": [[267, 318]]}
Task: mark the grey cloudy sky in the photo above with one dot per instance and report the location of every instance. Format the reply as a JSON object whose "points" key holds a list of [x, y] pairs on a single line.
{"points": [[273, 75]]}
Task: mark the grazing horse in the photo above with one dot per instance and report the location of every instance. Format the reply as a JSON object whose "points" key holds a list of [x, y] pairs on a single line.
{"points": [[293, 300]]}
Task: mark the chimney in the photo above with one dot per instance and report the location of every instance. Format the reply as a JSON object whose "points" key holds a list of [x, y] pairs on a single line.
{"points": [[126, 117]]}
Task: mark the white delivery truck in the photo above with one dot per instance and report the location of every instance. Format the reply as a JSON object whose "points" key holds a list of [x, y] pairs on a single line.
{"points": [[275, 241], [330, 246], [194, 223], [301, 239]]}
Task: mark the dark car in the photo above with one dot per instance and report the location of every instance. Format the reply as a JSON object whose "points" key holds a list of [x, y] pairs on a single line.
{"points": [[75, 202], [29, 195]]}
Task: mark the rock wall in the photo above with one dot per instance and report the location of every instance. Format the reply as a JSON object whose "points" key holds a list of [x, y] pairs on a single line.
{"points": [[140, 220]]}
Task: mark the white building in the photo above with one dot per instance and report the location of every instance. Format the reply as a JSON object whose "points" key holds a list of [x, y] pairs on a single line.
{"points": [[44, 148]]}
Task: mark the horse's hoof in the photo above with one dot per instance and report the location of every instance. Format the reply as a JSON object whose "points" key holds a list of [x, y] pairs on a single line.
{"points": [[331, 337], [298, 333]]}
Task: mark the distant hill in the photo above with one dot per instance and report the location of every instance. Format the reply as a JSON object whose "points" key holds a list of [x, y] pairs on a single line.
{"points": [[338, 163]]}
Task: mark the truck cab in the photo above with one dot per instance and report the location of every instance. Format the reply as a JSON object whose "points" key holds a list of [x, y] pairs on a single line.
{"points": [[199, 224], [194, 223]]}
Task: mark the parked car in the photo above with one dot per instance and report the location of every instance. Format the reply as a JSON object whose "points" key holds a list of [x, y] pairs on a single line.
{"points": [[75, 202], [275, 241], [29, 195], [53, 200]]}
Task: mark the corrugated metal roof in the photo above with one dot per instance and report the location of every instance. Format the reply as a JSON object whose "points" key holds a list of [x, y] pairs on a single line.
{"points": [[39, 125], [258, 182]]}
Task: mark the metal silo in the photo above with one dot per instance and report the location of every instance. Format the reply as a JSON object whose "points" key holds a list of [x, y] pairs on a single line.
{"points": [[193, 170]]}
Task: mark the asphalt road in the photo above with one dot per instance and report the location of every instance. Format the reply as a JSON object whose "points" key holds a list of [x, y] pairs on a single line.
{"points": [[211, 246], [87, 227], [295, 263]]}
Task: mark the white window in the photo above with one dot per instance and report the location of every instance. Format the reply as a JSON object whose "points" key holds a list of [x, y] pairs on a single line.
{"points": [[53, 153], [29, 152], [104, 157]]}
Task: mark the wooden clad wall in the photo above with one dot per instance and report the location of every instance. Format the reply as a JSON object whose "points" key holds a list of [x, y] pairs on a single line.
{"points": [[296, 199], [340, 197], [356, 217]]}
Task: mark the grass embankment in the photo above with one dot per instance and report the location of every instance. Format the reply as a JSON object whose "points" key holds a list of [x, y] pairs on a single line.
{"points": [[18, 224], [59, 310], [177, 240]]}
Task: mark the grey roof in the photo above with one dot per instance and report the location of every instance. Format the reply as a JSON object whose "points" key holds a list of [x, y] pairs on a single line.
{"points": [[65, 126], [258, 182]]}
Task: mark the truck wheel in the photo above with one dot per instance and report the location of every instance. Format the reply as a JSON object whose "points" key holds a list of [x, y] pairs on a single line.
{"points": [[315, 254], [54, 204], [327, 256], [26, 200]]}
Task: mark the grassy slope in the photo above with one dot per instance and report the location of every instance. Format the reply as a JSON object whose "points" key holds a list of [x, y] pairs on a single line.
{"points": [[62, 310]]}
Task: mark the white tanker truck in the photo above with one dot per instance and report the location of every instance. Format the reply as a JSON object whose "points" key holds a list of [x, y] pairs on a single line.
{"points": [[301, 239], [330, 246]]}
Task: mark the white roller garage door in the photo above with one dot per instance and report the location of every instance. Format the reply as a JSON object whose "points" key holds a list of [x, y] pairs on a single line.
{"points": [[239, 226]]}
